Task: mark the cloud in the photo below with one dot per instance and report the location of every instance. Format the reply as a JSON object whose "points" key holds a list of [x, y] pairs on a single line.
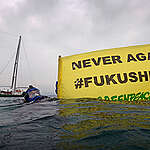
{"points": [[51, 28]]}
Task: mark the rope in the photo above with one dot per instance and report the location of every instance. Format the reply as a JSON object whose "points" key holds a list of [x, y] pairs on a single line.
{"points": [[4, 68], [28, 64]]}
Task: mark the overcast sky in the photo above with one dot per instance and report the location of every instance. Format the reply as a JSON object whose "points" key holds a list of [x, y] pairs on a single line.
{"points": [[50, 28]]}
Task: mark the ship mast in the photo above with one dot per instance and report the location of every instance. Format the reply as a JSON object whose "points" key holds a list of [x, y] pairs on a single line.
{"points": [[15, 71]]}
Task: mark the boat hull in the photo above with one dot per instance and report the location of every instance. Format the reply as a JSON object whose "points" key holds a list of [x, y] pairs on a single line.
{"points": [[4, 95]]}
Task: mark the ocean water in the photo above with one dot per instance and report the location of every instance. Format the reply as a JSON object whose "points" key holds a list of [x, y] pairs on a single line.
{"points": [[74, 124]]}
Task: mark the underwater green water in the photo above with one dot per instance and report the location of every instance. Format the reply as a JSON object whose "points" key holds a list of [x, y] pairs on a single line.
{"points": [[74, 124]]}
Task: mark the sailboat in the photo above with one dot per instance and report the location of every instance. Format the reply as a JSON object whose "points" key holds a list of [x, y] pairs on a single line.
{"points": [[13, 90]]}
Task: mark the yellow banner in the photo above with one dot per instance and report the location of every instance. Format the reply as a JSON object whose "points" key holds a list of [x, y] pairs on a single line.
{"points": [[111, 74]]}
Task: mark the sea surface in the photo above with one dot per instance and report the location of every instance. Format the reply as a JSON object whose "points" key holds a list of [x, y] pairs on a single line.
{"points": [[74, 124]]}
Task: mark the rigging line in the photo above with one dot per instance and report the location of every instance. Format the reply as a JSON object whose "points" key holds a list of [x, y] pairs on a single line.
{"points": [[28, 64], [20, 72], [7, 63]]}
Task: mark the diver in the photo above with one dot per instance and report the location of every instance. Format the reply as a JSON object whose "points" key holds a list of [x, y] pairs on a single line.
{"points": [[32, 94]]}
